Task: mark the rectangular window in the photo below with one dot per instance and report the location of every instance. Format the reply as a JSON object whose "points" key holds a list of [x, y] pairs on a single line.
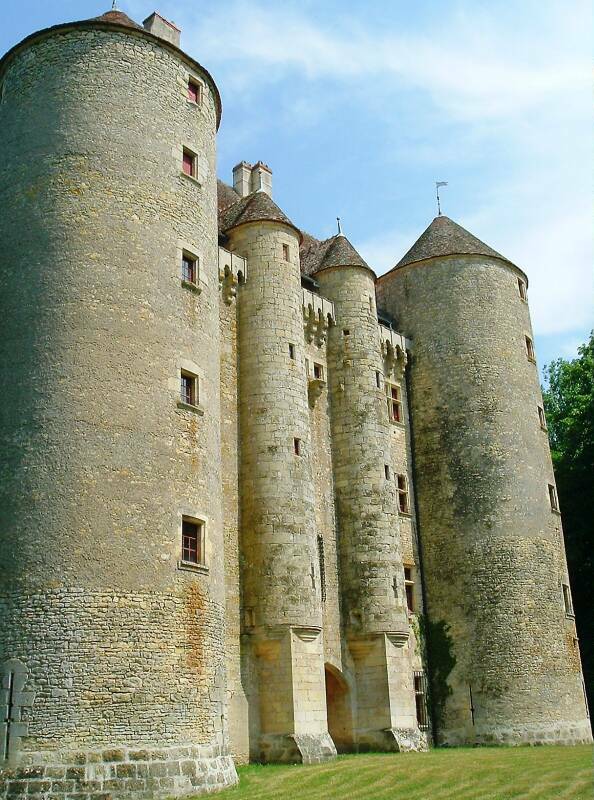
{"points": [[553, 498], [188, 388], [542, 418], [387, 471], [322, 562], [286, 252], [522, 289], [318, 372], [297, 447], [394, 397], [409, 587], [192, 541], [292, 351], [378, 380], [530, 349], [189, 163], [420, 680], [193, 91], [567, 599], [403, 503], [189, 268]]}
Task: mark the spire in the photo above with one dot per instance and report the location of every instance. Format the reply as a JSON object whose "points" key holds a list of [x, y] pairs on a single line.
{"points": [[444, 237]]}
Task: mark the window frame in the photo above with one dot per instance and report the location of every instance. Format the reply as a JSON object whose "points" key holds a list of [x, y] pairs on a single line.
{"points": [[530, 352], [421, 708], [523, 290], [188, 153], [286, 252], [194, 389], [567, 599], [409, 588], [403, 494], [192, 82], [200, 538], [553, 498], [541, 418], [395, 404], [318, 371], [193, 259]]}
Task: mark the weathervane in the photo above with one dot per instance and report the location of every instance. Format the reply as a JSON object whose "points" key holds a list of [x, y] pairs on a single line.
{"points": [[339, 226], [114, 5], [437, 185]]}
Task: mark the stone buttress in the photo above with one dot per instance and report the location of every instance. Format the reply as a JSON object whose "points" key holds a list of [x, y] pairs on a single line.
{"points": [[375, 617], [503, 647], [112, 662], [281, 587]]}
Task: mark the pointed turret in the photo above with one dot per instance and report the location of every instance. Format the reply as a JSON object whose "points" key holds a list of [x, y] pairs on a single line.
{"points": [[256, 207], [444, 237], [339, 252]]}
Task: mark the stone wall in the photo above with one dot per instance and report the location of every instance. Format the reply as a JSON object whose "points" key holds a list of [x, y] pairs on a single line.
{"points": [[504, 662], [123, 651]]}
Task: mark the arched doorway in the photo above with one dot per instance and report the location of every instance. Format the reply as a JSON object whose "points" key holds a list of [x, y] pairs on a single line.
{"points": [[338, 706]]}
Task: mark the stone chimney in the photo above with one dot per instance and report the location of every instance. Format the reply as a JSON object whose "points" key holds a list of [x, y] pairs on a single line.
{"points": [[161, 27], [248, 178]]}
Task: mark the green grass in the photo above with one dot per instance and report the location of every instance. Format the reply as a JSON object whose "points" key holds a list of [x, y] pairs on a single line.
{"points": [[485, 773]]}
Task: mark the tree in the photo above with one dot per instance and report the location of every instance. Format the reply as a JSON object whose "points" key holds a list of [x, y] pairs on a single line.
{"points": [[569, 407]]}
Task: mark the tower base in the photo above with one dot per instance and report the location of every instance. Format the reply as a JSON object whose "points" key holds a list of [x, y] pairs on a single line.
{"points": [[119, 772]]}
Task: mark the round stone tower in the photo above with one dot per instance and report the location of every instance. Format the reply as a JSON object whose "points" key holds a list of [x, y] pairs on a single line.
{"points": [[373, 597], [503, 645], [281, 582], [111, 578]]}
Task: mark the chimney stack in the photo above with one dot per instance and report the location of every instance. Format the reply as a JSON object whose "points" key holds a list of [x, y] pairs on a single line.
{"points": [[161, 27], [248, 178]]}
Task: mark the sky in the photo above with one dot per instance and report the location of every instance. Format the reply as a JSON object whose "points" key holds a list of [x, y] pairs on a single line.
{"points": [[359, 107]]}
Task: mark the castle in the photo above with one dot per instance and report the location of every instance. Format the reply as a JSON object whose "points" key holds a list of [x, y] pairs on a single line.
{"points": [[256, 502]]}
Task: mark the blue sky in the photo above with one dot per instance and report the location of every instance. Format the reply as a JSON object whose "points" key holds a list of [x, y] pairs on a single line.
{"points": [[359, 107]]}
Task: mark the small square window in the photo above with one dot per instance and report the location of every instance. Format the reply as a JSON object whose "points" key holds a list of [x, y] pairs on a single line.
{"points": [[318, 371], [194, 91], [403, 498], [286, 252], [189, 268], [292, 351], [542, 418], [387, 471], [522, 289], [188, 388], [346, 332], [394, 396], [553, 498], [530, 349], [192, 541], [189, 163], [297, 447]]}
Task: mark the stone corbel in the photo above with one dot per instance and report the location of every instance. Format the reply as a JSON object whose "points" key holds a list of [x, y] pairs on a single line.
{"points": [[395, 359], [315, 387], [228, 284]]}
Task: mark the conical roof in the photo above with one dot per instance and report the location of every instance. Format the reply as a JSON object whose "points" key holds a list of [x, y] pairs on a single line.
{"points": [[339, 252], [444, 237], [118, 18], [255, 207]]}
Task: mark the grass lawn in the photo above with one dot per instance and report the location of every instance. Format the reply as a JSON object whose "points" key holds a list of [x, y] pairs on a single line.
{"points": [[482, 773]]}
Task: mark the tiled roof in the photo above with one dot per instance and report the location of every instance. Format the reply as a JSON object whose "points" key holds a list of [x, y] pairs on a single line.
{"points": [[256, 207], [444, 237], [226, 196], [334, 252], [118, 18]]}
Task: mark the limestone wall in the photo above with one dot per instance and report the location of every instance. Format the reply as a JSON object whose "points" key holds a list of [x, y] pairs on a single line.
{"points": [[122, 650], [504, 663]]}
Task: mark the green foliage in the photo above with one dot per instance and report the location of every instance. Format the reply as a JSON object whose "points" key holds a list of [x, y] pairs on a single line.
{"points": [[441, 663], [569, 407], [480, 773]]}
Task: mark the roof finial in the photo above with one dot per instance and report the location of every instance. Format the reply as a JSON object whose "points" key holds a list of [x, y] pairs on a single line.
{"points": [[114, 5], [437, 185], [340, 233]]}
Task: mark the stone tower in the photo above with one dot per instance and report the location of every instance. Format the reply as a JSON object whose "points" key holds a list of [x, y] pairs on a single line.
{"points": [[503, 645], [112, 590], [281, 585], [375, 617]]}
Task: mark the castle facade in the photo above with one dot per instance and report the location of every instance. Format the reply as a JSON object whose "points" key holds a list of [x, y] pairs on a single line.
{"points": [[255, 501]]}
